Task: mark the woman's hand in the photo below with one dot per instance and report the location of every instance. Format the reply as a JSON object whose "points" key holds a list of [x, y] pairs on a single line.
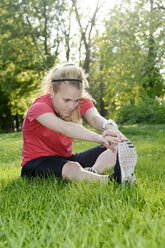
{"points": [[114, 132], [108, 141]]}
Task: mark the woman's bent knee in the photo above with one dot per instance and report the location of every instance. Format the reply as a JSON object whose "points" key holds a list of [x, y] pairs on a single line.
{"points": [[71, 170]]}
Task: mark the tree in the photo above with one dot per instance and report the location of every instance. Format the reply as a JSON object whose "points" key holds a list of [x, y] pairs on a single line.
{"points": [[45, 19], [27, 47], [86, 32], [130, 52], [152, 79]]}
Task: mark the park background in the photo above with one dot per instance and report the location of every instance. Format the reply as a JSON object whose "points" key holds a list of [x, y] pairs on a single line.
{"points": [[119, 44]]}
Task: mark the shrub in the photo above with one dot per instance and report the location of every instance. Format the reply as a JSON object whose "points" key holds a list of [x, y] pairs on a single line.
{"points": [[147, 111]]}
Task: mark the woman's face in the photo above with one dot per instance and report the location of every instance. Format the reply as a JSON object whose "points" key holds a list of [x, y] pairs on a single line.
{"points": [[66, 100]]}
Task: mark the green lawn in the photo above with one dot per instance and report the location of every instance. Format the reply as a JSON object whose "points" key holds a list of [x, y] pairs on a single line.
{"points": [[51, 213]]}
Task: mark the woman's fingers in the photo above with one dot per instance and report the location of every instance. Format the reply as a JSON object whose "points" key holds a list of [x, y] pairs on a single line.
{"points": [[112, 140], [109, 142], [114, 133], [110, 132], [112, 148]]}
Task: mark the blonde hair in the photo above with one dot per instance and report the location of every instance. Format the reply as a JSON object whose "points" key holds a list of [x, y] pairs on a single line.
{"points": [[67, 71]]}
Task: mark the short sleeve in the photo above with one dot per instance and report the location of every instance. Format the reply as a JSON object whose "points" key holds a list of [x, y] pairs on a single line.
{"points": [[38, 109], [85, 104]]}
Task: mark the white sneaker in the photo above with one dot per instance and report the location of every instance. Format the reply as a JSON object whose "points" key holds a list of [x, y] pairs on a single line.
{"points": [[127, 158]]}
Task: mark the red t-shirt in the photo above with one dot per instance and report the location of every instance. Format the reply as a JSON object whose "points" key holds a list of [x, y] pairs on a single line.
{"points": [[39, 141]]}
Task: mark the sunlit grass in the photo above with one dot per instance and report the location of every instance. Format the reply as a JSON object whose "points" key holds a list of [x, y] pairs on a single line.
{"points": [[52, 213]]}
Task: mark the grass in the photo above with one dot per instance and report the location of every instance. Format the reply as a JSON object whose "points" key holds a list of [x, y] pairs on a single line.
{"points": [[51, 213]]}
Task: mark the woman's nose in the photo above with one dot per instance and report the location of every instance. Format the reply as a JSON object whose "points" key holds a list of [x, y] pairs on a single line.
{"points": [[72, 105]]}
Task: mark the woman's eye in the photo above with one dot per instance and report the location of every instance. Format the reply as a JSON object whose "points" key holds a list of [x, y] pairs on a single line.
{"points": [[66, 100]]}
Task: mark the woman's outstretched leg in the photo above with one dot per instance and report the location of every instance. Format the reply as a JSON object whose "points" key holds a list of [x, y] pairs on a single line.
{"points": [[74, 171], [105, 161], [123, 160]]}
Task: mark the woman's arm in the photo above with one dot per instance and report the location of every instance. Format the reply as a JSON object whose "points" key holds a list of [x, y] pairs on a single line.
{"points": [[75, 131], [96, 121]]}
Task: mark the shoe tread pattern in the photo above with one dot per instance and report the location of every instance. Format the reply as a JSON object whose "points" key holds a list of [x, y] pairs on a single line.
{"points": [[127, 160]]}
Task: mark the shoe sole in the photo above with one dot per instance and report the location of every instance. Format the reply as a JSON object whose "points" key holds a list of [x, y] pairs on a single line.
{"points": [[127, 159]]}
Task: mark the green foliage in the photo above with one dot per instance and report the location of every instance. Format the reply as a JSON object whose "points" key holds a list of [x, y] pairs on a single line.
{"points": [[130, 55], [127, 58], [146, 111], [29, 31], [52, 213]]}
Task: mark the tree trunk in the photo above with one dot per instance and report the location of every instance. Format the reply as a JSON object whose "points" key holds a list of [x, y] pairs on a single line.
{"points": [[8, 123]]}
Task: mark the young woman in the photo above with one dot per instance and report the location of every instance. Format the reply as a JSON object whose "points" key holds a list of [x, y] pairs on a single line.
{"points": [[54, 120]]}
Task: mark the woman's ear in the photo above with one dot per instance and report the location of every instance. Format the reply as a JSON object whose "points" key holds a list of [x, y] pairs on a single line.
{"points": [[51, 91]]}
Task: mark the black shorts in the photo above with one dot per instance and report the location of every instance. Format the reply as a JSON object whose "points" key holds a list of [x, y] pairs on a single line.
{"points": [[52, 165]]}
